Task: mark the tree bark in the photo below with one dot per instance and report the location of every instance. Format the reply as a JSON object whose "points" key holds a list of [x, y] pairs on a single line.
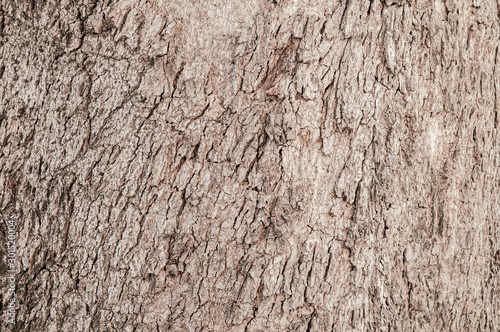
{"points": [[251, 165]]}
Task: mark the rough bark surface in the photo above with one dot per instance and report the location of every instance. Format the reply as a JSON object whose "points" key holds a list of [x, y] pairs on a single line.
{"points": [[257, 165]]}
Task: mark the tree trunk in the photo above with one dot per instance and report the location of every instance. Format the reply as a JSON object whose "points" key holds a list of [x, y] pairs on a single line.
{"points": [[251, 165]]}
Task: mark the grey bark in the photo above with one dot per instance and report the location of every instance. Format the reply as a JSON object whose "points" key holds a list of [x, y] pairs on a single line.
{"points": [[251, 165]]}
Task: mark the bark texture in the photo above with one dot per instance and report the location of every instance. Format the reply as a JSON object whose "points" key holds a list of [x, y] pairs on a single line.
{"points": [[257, 165]]}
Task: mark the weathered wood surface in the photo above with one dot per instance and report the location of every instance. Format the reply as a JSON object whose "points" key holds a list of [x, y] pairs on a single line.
{"points": [[256, 165]]}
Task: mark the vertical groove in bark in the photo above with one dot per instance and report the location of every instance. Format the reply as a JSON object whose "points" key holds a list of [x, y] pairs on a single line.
{"points": [[251, 165]]}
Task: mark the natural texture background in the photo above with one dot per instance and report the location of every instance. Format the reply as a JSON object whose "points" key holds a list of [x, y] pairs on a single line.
{"points": [[257, 165]]}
